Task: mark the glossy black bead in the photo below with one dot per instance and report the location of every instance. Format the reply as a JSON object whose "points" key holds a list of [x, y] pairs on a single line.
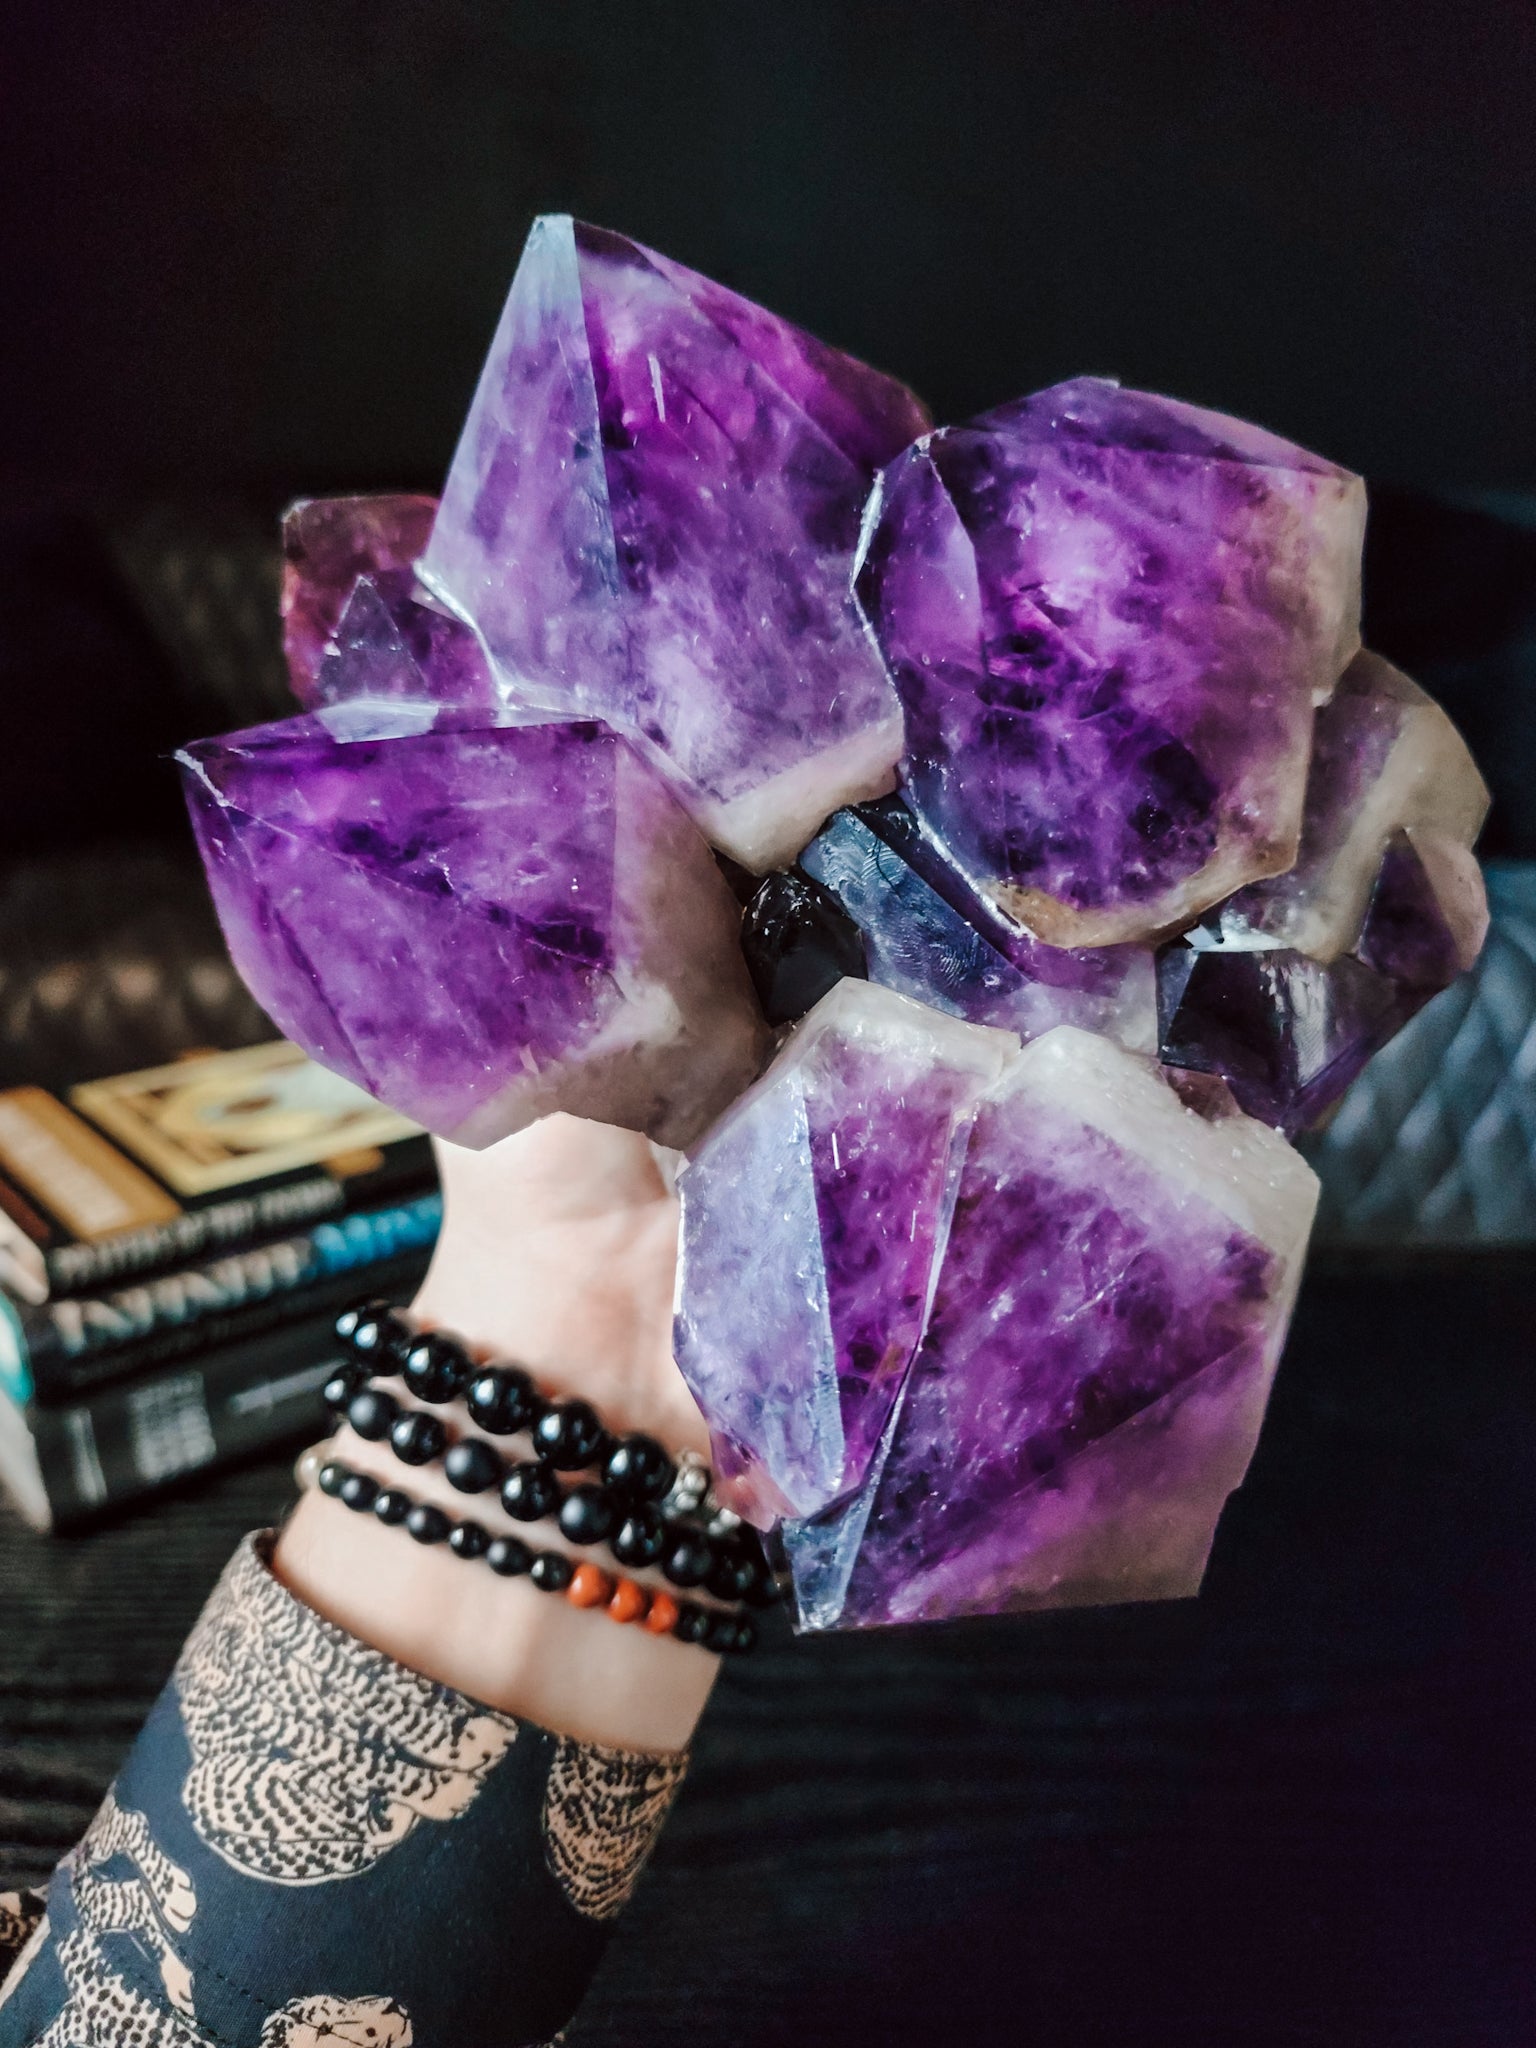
{"points": [[799, 942], [508, 1555], [639, 1469], [416, 1439], [436, 1368], [745, 1637], [587, 1515], [372, 1413], [331, 1479], [692, 1623], [687, 1558], [530, 1492], [358, 1492], [731, 1576], [640, 1538], [382, 1337], [503, 1400], [719, 1633], [570, 1435], [551, 1572], [339, 1389], [764, 1589], [350, 1319], [427, 1524], [468, 1539], [392, 1505], [473, 1467]]}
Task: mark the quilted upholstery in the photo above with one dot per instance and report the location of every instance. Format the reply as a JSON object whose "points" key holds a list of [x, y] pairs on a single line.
{"points": [[1436, 1142], [111, 959]]}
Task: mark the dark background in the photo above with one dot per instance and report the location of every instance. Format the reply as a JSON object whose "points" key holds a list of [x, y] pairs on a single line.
{"points": [[258, 247], [258, 242]]}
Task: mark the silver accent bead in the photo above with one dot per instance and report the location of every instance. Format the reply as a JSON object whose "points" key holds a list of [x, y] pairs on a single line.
{"points": [[306, 1471]]}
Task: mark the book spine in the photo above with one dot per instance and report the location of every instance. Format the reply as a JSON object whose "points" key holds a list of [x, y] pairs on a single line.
{"points": [[58, 1349], [235, 1220], [74, 1268], [135, 1440]]}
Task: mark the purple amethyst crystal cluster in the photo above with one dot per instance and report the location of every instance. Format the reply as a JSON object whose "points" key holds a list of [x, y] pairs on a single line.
{"points": [[1098, 858]]}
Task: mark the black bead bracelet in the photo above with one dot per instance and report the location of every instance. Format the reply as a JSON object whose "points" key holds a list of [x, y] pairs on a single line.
{"points": [[583, 1585], [626, 1507], [502, 1400]]}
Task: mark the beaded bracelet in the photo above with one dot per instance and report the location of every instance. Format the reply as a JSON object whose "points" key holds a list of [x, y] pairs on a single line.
{"points": [[627, 1510], [502, 1399], [583, 1585]]}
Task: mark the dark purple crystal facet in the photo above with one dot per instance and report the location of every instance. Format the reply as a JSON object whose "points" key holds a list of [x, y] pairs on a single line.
{"points": [[1385, 760], [1287, 1033]]}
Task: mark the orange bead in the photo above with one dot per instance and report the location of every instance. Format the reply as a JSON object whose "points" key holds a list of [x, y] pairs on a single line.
{"points": [[629, 1601], [589, 1587], [662, 1615]]}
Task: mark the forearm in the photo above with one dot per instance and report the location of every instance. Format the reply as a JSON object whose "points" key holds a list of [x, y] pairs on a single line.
{"points": [[579, 1290]]}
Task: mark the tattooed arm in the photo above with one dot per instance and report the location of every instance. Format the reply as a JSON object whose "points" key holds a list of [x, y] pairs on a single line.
{"points": [[387, 1799]]}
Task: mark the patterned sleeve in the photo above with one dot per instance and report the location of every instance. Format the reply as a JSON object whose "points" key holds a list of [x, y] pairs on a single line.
{"points": [[310, 1844]]}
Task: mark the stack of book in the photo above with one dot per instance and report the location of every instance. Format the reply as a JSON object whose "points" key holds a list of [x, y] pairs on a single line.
{"points": [[174, 1248]]}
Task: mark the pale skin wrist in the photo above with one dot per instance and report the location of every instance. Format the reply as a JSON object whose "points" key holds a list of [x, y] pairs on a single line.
{"points": [[558, 1250]]}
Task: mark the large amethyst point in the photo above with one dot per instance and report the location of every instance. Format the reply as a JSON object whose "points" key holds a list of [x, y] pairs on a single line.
{"points": [[921, 945], [651, 518], [1385, 759], [327, 544], [1109, 617], [812, 1215], [1110, 1307], [479, 926]]}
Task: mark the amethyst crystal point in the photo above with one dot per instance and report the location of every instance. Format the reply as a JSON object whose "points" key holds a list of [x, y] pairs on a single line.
{"points": [[1108, 1314], [919, 944], [480, 926], [651, 518], [1385, 758], [1109, 617], [1287, 1033], [327, 544], [812, 1215], [387, 646]]}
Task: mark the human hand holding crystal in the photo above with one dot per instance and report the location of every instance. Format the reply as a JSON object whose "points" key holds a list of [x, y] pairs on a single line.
{"points": [[1109, 852], [559, 1251]]}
